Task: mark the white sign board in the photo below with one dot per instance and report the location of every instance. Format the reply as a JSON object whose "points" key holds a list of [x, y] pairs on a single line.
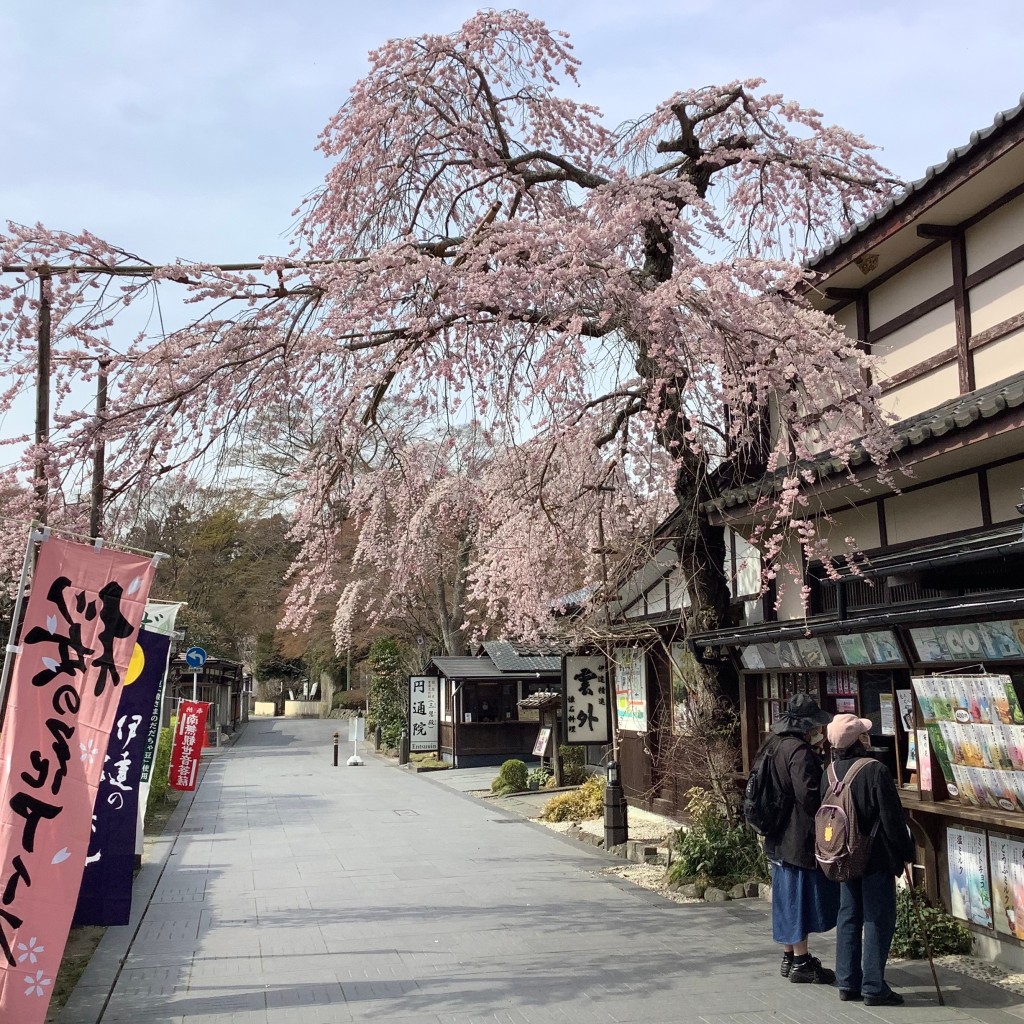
{"points": [[586, 693], [423, 713], [631, 688], [356, 729]]}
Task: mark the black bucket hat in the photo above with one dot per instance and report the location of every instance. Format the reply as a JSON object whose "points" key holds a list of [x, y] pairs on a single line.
{"points": [[802, 712]]}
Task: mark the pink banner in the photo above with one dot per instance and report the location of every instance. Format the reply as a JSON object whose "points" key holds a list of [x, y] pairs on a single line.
{"points": [[77, 638]]}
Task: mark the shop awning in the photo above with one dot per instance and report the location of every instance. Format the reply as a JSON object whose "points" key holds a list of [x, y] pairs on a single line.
{"points": [[857, 641]]}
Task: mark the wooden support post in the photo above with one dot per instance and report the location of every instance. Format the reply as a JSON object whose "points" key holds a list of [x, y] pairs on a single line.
{"points": [[99, 454], [42, 395], [556, 757]]}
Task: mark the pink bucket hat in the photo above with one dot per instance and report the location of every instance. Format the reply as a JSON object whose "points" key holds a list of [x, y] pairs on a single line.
{"points": [[844, 730]]}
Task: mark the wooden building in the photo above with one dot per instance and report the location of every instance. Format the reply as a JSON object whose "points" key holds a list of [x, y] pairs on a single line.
{"points": [[221, 683], [647, 641], [480, 720], [920, 625]]}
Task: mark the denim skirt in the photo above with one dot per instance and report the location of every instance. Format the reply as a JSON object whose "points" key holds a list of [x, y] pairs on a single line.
{"points": [[803, 901]]}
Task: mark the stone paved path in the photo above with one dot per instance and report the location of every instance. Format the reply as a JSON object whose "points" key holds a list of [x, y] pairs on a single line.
{"points": [[299, 893]]}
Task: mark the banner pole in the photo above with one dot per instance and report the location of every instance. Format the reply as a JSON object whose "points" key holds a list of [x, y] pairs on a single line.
{"points": [[34, 535]]}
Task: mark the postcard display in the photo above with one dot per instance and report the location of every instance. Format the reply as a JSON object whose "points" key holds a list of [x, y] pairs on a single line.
{"points": [[976, 728]]}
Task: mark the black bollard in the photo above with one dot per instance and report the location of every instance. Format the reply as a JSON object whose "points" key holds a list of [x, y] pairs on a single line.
{"points": [[403, 749], [336, 738], [616, 824]]}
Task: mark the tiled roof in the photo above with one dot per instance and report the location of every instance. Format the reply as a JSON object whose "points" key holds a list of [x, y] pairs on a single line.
{"points": [[542, 700], [956, 414], [510, 657], [936, 171], [466, 668]]}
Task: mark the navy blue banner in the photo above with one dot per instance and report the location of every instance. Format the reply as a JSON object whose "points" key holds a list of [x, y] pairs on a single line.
{"points": [[106, 894]]}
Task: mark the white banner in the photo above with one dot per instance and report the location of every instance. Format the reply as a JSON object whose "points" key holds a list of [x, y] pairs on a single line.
{"points": [[585, 698], [422, 713]]}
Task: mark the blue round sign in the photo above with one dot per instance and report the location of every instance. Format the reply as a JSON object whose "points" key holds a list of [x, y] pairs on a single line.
{"points": [[195, 657]]}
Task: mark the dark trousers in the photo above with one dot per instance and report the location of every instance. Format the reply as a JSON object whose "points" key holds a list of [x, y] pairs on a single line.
{"points": [[867, 920]]}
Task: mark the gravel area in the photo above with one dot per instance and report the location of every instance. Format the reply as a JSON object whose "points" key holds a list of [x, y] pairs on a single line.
{"points": [[643, 826], [649, 876]]}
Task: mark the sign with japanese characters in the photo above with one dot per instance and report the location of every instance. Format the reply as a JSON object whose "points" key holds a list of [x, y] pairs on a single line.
{"points": [[422, 713], [970, 890], [77, 638], [106, 894], [189, 739], [631, 688], [541, 743], [585, 697]]}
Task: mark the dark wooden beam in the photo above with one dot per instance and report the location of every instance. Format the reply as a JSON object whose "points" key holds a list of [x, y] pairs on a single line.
{"points": [[947, 355], [848, 294], [997, 266], [985, 498], [997, 331], [912, 314], [939, 231], [962, 315]]}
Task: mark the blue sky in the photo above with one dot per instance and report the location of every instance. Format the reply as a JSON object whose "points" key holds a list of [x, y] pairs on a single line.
{"points": [[187, 128]]}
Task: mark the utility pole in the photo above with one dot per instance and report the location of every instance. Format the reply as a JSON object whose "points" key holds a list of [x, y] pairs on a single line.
{"points": [[99, 454], [42, 394]]}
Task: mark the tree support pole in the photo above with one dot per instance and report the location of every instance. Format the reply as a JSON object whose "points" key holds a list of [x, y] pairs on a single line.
{"points": [[99, 454], [42, 395]]}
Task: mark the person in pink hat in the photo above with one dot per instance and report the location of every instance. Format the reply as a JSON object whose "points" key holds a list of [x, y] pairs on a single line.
{"points": [[867, 905]]}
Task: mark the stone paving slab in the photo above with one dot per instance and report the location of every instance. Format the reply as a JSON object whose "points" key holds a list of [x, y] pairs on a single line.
{"points": [[293, 892]]}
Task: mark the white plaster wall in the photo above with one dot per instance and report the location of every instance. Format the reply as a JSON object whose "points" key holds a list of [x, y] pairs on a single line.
{"points": [[791, 605], [997, 299], [861, 523], [997, 234], [847, 319], [942, 508], [747, 570], [999, 359], [301, 709], [920, 281], [1006, 489], [910, 345], [924, 393]]}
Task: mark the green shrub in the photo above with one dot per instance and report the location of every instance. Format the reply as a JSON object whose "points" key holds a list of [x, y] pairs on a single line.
{"points": [[388, 692], [574, 768], [511, 778], [713, 850], [350, 700], [585, 802], [946, 934], [539, 777], [161, 771]]}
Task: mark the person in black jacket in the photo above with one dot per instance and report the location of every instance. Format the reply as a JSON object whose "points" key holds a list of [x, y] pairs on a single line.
{"points": [[867, 908], [803, 899]]}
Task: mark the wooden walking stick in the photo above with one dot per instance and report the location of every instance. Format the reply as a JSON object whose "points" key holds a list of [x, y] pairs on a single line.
{"points": [[923, 932]]}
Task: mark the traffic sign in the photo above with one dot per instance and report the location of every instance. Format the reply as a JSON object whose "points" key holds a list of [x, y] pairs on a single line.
{"points": [[195, 658]]}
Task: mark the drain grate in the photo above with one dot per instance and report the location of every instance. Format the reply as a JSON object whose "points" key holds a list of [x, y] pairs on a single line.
{"points": [[506, 821]]}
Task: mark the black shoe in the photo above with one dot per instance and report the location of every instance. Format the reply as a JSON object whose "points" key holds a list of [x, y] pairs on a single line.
{"points": [[848, 995], [787, 964], [811, 972], [889, 999]]}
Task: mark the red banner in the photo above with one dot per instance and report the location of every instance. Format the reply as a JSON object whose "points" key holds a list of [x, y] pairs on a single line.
{"points": [[189, 738], [77, 638]]}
